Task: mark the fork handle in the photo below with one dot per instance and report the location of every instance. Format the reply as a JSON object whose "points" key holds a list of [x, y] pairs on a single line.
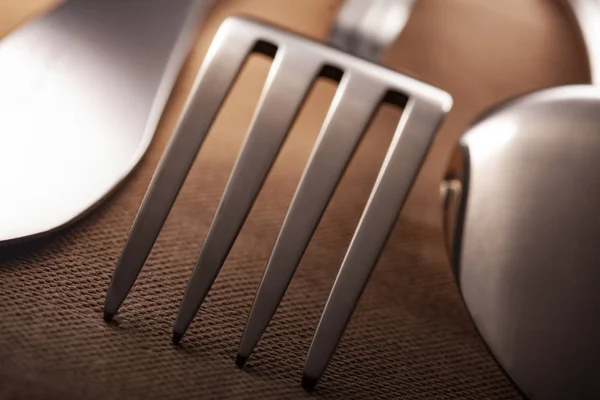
{"points": [[367, 28]]}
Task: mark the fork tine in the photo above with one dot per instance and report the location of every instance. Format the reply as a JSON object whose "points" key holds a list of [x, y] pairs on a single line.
{"points": [[213, 82], [291, 76], [411, 141], [353, 107]]}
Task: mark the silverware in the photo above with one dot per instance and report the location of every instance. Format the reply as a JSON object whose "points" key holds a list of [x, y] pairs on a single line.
{"points": [[587, 15], [81, 93], [297, 62], [522, 227], [365, 29]]}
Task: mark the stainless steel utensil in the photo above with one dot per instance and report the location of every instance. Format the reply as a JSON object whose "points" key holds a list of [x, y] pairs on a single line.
{"points": [[81, 92], [522, 227], [363, 85], [365, 29]]}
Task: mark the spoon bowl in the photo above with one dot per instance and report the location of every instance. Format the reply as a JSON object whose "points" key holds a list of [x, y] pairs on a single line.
{"points": [[522, 228]]}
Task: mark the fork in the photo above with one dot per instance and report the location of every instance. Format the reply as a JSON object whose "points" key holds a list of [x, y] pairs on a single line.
{"points": [[297, 63]]}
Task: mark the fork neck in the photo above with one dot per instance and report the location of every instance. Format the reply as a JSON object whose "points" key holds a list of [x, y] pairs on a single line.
{"points": [[366, 28]]}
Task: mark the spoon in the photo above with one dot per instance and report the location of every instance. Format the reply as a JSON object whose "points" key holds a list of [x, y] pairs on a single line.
{"points": [[81, 93], [522, 228]]}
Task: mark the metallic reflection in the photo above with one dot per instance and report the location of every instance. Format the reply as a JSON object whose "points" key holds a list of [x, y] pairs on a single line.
{"points": [[524, 236], [81, 92]]}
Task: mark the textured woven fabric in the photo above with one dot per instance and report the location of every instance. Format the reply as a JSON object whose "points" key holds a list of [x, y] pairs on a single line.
{"points": [[410, 336]]}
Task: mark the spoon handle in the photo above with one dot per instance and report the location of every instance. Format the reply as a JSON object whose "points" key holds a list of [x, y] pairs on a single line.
{"points": [[587, 15]]}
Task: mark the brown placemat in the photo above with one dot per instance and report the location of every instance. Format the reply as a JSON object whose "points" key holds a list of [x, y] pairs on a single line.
{"points": [[410, 337]]}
